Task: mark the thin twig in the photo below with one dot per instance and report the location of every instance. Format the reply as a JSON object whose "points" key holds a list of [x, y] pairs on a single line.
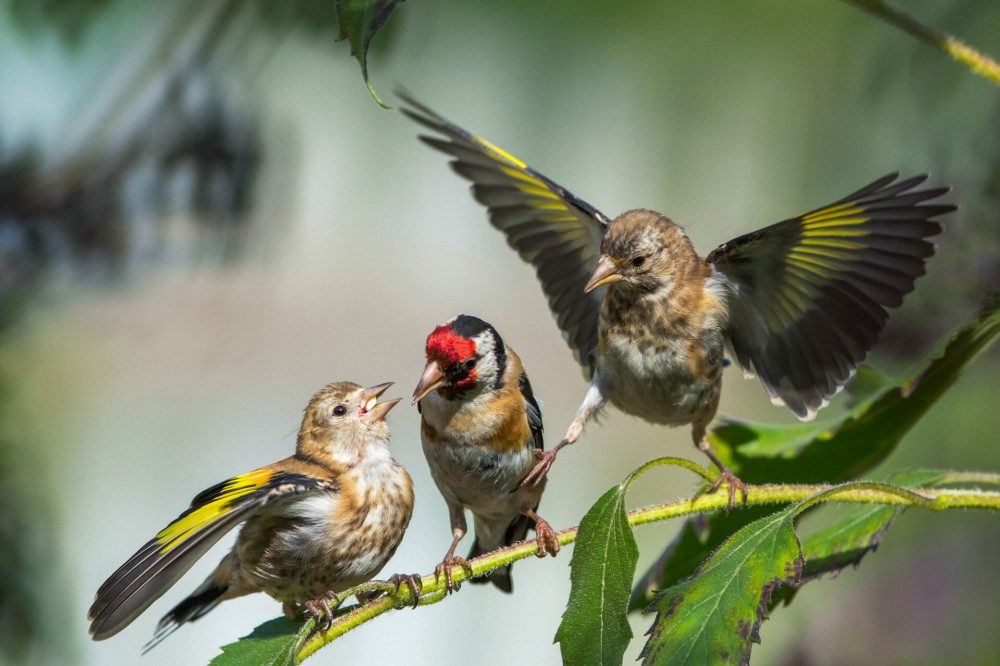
{"points": [[978, 62]]}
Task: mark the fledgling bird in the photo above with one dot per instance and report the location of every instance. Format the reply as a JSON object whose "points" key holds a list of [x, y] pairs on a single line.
{"points": [[480, 426], [316, 523], [800, 303]]}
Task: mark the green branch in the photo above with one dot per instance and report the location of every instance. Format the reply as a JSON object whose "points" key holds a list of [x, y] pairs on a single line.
{"points": [[851, 493], [978, 62]]}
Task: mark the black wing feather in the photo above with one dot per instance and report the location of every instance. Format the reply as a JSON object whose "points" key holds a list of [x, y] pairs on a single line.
{"points": [[558, 233], [155, 567], [808, 295]]}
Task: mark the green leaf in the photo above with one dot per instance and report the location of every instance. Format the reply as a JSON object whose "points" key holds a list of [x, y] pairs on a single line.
{"points": [[594, 627], [270, 644], [712, 617], [359, 21], [832, 452], [866, 383]]}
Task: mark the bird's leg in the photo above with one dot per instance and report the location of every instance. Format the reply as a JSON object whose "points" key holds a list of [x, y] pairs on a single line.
{"points": [[546, 536], [725, 475], [458, 528], [591, 402]]}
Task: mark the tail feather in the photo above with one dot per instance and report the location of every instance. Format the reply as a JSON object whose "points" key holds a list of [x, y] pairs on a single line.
{"points": [[196, 605], [501, 576]]}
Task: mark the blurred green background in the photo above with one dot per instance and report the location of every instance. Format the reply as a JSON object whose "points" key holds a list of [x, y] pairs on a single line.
{"points": [[204, 218]]}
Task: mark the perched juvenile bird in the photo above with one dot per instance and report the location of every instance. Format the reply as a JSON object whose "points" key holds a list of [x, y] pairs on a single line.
{"points": [[480, 427], [325, 519], [800, 302]]}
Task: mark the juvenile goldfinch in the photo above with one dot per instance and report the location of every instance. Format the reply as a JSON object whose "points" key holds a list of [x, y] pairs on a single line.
{"points": [[325, 519], [800, 303], [480, 427]]}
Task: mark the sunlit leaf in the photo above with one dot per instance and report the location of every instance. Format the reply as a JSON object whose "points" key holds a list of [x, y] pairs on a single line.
{"points": [[712, 617], [594, 627], [359, 21], [270, 644], [831, 452]]}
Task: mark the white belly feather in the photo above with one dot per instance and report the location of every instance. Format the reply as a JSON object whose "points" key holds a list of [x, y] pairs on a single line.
{"points": [[657, 385]]}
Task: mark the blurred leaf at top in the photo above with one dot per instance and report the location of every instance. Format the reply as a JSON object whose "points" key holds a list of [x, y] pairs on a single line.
{"points": [[359, 21], [821, 453]]}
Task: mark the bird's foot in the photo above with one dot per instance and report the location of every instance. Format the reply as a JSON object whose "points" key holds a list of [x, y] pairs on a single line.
{"points": [[548, 542], [732, 483], [368, 595], [412, 581], [321, 610], [541, 468], [447, 564]]}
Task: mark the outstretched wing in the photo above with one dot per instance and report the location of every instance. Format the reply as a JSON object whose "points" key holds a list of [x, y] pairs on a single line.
{"points": [[166, 557], [559, 234], [808, 295]]}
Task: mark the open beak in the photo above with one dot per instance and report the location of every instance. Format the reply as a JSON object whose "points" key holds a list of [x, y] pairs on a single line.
{"points": [[372, 410], [432, 378], [606, 273]]}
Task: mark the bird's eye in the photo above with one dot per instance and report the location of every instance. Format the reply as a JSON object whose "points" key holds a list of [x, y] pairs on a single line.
{"points": [[470, 364], [638, 261], [339, 410]]}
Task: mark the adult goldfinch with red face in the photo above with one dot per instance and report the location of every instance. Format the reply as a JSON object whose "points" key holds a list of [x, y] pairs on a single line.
{"points": [[327, 518], [800, 302], [480, 428]]}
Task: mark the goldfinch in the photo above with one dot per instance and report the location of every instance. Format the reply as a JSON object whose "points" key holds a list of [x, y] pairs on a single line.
{"points": [[800, 303], [480, 427], [327, 518]]}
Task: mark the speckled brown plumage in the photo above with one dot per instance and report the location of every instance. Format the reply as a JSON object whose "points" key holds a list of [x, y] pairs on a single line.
{"points": [[324, 519]]}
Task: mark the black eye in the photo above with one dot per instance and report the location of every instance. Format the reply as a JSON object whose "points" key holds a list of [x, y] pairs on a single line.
{"points": [[470, 364], [638, 261], [339, 410]]}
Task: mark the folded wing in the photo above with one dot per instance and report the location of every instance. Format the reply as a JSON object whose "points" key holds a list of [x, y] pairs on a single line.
{"points": [[559, 234], [166, 557], [808, 295]]}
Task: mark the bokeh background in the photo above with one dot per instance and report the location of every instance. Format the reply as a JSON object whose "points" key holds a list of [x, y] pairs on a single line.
{"points": [[204, 218]]}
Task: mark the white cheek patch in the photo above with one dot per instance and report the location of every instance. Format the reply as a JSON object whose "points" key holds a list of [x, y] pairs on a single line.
{"points": [[486, 349]]}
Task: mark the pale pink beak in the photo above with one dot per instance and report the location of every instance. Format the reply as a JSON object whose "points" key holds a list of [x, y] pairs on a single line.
{"points": [[606, 273], [432, 378], [372, 410]]}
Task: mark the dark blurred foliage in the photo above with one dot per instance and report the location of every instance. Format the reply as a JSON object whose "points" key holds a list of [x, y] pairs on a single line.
{"points": [[101, 214], [83, 213], [176, 140], [30, 574], [88, 213], [71, 18]]}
